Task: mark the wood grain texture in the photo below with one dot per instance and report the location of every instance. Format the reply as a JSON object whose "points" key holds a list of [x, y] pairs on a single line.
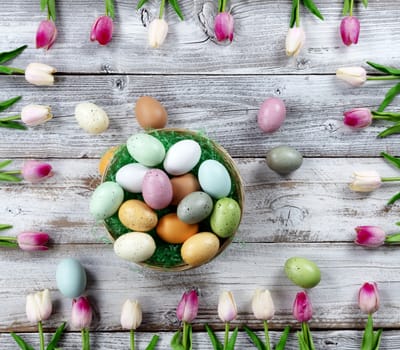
{"points": [[258, 47], [224, 108], [313, 204]]}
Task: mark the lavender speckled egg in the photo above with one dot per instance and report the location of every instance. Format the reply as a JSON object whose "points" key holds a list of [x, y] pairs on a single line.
{"points": [[271, 115], [157, 189]]}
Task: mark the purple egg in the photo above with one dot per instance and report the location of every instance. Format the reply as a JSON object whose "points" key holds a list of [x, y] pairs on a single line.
{"points": [[157, 189], [271, 115]]}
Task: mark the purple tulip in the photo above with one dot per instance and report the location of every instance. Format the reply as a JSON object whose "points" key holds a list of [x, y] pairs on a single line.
{"points": [[368, 298], [34, 171], [31, 241], [46, 34], [370, 236], [358, 118], [302, 308], [188, 306], [102, 30], [350, 30], [223, 26]]}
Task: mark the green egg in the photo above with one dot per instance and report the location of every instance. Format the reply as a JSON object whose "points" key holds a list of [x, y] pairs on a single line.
{"points": [[284, 159], [302, 272], [225, 217], [146, 149], [106, 200]]}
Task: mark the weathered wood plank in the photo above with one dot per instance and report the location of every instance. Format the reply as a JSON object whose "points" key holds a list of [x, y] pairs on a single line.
{"points": [[258, 47], [241, 268], [313, 204], [224, 108]]}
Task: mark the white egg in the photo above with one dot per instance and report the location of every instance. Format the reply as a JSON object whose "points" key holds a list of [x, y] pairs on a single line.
{"points": [[130, 177], [91, 118], [135, 246], [182, 157]]}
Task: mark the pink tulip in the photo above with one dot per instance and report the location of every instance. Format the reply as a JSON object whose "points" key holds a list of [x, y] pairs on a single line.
{"points": [[102, 30], [188, 306], [33, 115], [350, 30], [223, 26], [370, 236], [227, 310], [46, 34], [34, 171], [358, 118], [302, 308], [31, 241], [368, 298], [81, 315]]}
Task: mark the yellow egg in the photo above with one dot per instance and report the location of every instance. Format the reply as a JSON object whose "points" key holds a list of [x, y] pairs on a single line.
{"points": [[172, 230], [200, 248], [106, 158], [137, 216]]}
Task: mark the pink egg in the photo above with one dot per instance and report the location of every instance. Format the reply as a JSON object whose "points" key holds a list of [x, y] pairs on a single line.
{"points": [[271, 115], [157, 189]]}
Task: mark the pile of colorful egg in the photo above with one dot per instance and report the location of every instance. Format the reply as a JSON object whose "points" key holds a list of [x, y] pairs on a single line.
{"points": [[170, 198]]}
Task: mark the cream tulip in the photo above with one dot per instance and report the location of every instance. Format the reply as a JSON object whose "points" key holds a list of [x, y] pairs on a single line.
{"points": [[131, 315], [38, 306], [39, 74], [263, 305], [158, 30], [295, 40]]}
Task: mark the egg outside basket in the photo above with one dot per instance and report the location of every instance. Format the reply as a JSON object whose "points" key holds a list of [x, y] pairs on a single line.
{"points": [[165, 257]]}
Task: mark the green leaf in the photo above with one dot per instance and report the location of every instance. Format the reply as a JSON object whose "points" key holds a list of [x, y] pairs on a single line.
{"points": [[384, 69], [8, 244], [9, 178], [56, 337], [176, 341], [368, 337], [153, 342], [190, 334], [21, 343], [4, 163], [175, 5], [51, 7], [313, 8], [6, 56], [140, 4], [365, 2], [254, 338], [302, 343], [12, 125], [377, 339], [43, 4], [389, 97], [391, 159], [293, 14], [110, 8], [394, 199], [232, 339], [390, 116], [395, 129], [5, 226], [282, 341], [8, 103], [346, 7], [214, 340]]}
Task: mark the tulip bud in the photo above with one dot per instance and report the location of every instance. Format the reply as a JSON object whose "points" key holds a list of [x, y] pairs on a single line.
{"points": [[350, 30], [34, 171], [295, 39], [188, 306], [38, 306], [81, 315], [102, 30], [158, 30], [365, 181], [31, 241], [302, 308], [33, 115], [368, 298], [46, 34], [224, 26], [263, 305], [227, 310], [131, 315], [39, 74], [370, 236], [358, 118], [355, 76]]}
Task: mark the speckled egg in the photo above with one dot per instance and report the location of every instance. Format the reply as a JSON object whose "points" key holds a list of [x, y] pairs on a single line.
{"points": [[146, 149], [150, 113], [130, 177], [71, 278], [137, 216], [106, 200], [182, 186], [200, 248], [182, 157], [135, 246], [284, 159], [214, 179], [106, 158], [91, 118], [172, 230], [225, 217], [302, 272], [195, 207], [157, 189]]}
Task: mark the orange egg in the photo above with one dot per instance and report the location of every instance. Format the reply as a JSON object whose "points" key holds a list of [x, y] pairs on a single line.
{"points": [[182, 186], [172, 230], [106, 158]]}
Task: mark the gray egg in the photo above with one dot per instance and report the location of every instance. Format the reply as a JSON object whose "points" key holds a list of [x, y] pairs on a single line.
{"points": [[195, 207], [284, 159]]}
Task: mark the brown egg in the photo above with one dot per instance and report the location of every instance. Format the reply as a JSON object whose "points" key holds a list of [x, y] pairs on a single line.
{"points": [[172, 230], [137, 216], [182, 186], [150, 113], [200, 248], [106, 158]]}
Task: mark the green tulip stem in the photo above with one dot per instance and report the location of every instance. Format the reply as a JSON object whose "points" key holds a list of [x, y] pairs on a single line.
{"points": [[298, 14], [13, 117], [390, 179], [85, 339], [223, 6], [8, 239], [393, 238], [132, 339], [383, 77], [351, 7], [162, 7], [226, 338], [267, 341], [41, 335], [185, 335], [11, 70]]}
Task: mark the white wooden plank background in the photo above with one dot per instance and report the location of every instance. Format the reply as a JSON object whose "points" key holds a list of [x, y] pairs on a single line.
{"points": [[309, 213]]}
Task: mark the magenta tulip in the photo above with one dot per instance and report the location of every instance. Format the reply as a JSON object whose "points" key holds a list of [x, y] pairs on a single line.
{"points": [[370, 236], [358, 118], [35, 171], [188, 306], [223, 26], [350, 30], [31, 241], [102, 30], [81, 315], [302, 308], [368, 298], [46, 34]]}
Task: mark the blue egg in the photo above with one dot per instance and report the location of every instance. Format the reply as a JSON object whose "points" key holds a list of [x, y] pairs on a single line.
{"points": [[71, 278], [214, 179]]}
